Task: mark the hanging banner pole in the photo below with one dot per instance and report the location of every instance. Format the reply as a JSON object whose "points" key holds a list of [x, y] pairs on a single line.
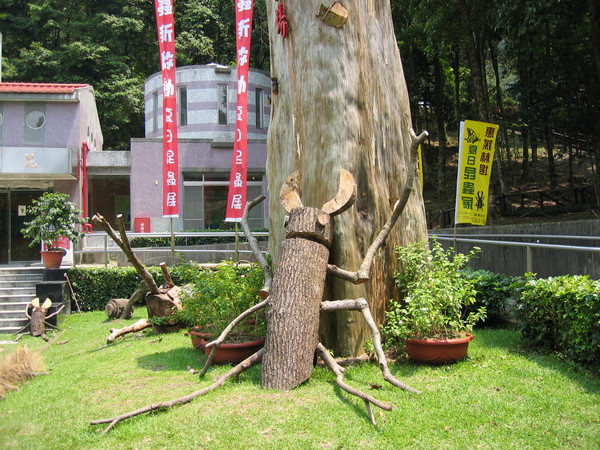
{"points": [[236, 198], [477, 142], [165, 24]]}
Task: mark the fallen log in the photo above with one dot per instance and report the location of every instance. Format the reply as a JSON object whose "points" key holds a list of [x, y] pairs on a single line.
{"points": [[115, 306], [160, 301], [117, 332]]}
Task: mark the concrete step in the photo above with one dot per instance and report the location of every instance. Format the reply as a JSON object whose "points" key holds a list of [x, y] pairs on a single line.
{"points": [[18, 292], [20, 273], [17, 289], [13, 314], [15, 324], [10, 298], [9, 284], [10, 330], [7, 281], [12, 306]]}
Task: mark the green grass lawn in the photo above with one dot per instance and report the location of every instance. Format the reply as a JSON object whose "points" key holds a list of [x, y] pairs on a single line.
{"points": [[502, 396]]}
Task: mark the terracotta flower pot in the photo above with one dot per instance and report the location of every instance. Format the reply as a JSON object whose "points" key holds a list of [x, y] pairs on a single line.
{"points": [[52, 259], [231, 353], [438, 351], [199, 338]]}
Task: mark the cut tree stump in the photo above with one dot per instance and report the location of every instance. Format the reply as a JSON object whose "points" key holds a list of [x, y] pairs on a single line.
{"points": [[160, 301], [115, 306]]}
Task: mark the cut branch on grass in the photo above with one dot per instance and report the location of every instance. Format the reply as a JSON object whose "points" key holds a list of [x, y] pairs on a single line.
{"points": [[117, 332], [38, 320], [165, 271], [123, 243], [363, 306], [339, 379], [218, 382]]}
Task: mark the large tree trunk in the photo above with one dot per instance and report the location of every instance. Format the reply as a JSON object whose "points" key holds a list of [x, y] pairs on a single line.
{"points": [[342, 103], [293, 313], [474, 55], [440, 82]]}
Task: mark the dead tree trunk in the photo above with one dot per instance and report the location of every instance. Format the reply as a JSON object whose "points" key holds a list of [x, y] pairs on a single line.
{"points": [[115, 306], [343, 103], [38, 318], [160, 301], [293, 314]]}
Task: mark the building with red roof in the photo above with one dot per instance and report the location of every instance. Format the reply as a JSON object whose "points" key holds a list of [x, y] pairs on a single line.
{"points": [[45, 132]]}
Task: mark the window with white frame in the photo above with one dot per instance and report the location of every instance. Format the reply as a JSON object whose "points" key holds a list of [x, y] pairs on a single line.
{"points": [[182, 106], [222, 104], [259, 103], [155, 111], [205, 201]]}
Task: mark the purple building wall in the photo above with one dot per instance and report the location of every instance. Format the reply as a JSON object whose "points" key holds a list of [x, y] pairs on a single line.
{"points": [[205, 146]]}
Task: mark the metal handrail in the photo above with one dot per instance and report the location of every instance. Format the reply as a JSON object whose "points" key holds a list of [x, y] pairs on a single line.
{"points": [[474, 238], [107, 249], [517, 235]]}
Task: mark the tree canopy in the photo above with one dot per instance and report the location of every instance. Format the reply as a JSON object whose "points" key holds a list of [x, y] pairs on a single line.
{"points": [[530, 65], [112, 46]]}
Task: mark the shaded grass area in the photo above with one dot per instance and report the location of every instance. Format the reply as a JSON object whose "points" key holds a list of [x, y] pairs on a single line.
{"points": [[502, 396]]}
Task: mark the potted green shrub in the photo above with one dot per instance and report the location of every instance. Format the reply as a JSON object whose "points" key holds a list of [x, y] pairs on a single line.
{"points": [[217, 297], [53, 217], [431, 318]]}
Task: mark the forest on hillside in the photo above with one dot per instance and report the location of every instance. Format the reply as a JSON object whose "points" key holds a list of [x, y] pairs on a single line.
{"points": [[531, 66]]}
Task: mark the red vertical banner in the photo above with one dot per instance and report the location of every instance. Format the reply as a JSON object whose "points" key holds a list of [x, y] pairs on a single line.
{"points": [[236, 199], [165, 23]]}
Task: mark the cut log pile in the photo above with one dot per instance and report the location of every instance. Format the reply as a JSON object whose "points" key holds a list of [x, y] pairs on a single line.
{"points": [[161, 301]]}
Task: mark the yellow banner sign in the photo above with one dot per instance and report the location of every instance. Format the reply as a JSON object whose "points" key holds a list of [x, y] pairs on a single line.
{"points": [[475, 157]]}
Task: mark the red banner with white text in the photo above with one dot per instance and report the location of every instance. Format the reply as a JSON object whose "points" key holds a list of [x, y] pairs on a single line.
{"points": [[236, 199], [165, 24]]}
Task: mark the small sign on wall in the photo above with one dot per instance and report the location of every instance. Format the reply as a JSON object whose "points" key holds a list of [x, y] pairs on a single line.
{"points": [[22, 210], [141, 225]]}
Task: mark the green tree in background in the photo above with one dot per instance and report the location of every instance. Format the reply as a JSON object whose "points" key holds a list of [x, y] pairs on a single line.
{"points": [[532, 66], [112, 46]]}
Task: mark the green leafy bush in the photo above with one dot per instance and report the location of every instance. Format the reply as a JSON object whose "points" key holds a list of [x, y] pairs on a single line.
{"points": [[496, 292], [562, 313], [53, 216], [95, 286], [215, 298], [434, 292]]}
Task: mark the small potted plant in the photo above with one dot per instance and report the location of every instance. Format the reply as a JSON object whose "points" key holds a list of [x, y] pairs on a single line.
{"points": [[217, 297], [431, 318], [53, 217]]}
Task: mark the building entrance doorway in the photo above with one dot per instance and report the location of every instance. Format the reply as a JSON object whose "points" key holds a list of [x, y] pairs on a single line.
{"points": [[14, 248]]}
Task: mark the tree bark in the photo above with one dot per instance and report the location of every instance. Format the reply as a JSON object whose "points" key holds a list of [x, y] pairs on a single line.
{"points": [[115, 306], [440, 82], [474, 55], [123, 244], [343, 103], [550, 151], [294, 305], [525, 163], [137, 295]]}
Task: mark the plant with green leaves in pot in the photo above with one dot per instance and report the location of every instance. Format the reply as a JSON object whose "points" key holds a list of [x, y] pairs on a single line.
{"points": [[53, 217], [434, 293], [217, 297]]}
